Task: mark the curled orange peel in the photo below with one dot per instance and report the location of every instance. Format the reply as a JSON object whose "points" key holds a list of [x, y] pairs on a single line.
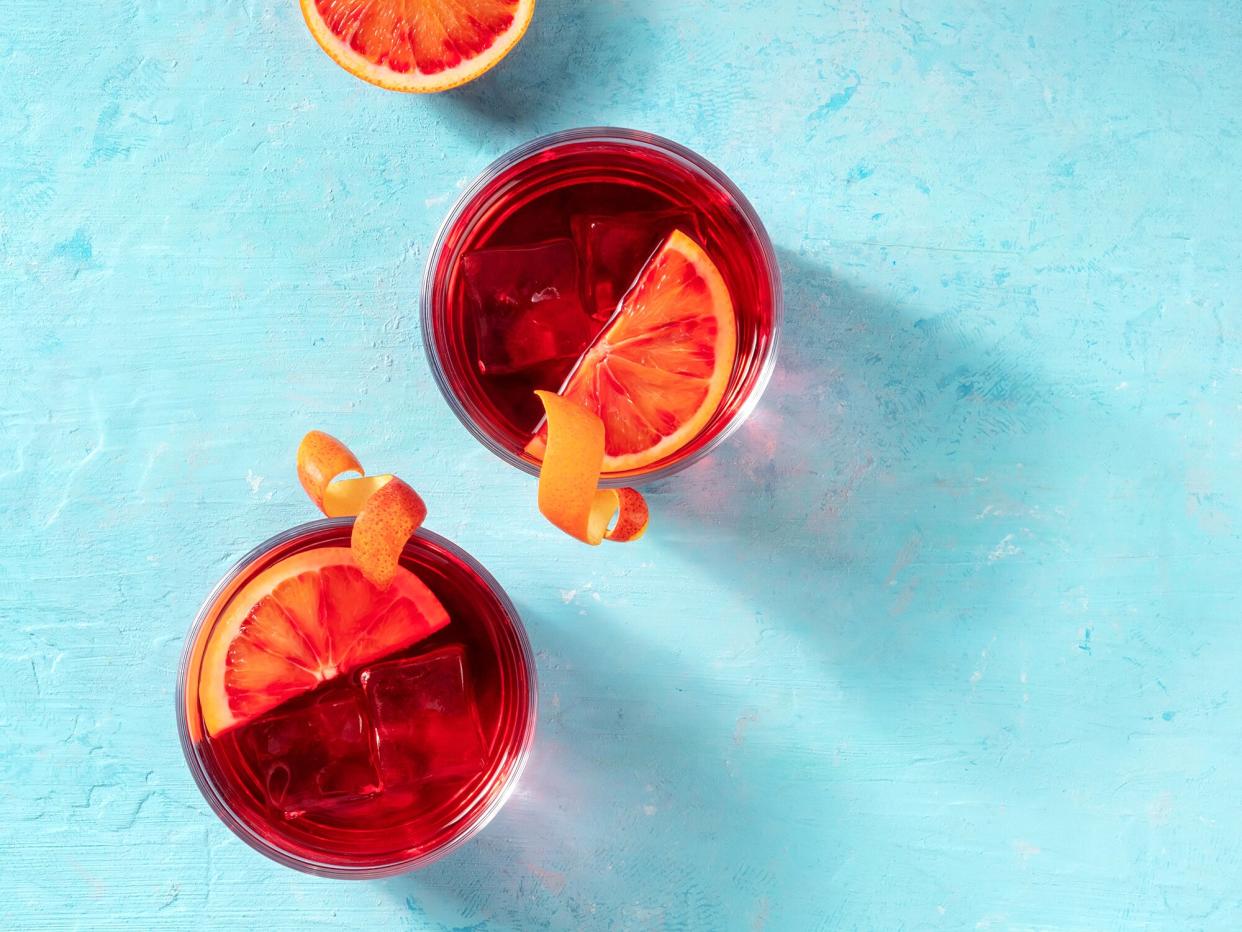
{"points": [[386, 510], [382, 527], [321, 458], [569, 492]]}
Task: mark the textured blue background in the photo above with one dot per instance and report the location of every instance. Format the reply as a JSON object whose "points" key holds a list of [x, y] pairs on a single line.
{"points": [[947, 637]]}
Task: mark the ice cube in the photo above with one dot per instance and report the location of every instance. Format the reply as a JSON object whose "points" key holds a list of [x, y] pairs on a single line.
{"points": [[615, 248], [526, 306], [315, 754], [426, 724]]}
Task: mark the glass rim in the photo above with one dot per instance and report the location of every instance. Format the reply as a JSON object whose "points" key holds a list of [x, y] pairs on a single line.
{"points": [[209, 790], [637, 138]]}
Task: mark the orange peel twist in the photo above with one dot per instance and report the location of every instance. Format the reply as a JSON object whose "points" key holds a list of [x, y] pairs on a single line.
{"points": [[569, 493], [386, 510]]}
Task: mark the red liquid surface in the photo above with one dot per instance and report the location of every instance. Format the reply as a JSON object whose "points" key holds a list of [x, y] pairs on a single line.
{"points": [[534, 266], [395, 760]]}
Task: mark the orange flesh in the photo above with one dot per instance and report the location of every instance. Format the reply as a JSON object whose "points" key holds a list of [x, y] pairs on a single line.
{"points": [[309, 618], [428, 36], [658, 373]]}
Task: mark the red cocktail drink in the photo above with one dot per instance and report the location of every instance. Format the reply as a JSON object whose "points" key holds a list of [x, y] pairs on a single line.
{"points": [[533, 262], [371, 765]]}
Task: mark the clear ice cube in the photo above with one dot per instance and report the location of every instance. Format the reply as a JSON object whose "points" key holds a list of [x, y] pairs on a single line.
{"points": [[615, 248], [426, 724], [526, 305], [314, 755]]}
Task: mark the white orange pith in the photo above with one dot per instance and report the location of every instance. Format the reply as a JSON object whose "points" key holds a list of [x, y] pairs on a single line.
{"points": [[658, 373], [310, 617], [417, 46]]}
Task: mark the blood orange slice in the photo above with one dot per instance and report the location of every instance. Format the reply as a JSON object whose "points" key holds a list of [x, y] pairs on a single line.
{"points": [[417, 45], [657, 374], [307, 619]]}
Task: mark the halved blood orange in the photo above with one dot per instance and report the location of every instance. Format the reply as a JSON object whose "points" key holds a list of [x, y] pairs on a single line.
{"points": [[309, 618], [657, 374], [417, 45]]}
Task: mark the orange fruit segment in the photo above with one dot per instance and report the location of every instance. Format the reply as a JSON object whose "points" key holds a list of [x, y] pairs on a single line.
{"points": [[658, 373], [417, 46], [311, 617]]}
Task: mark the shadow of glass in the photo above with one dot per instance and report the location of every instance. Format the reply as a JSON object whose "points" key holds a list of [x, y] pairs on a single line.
{"points": [[918, 496], [562, 73], [645, 788], [866, 483]]}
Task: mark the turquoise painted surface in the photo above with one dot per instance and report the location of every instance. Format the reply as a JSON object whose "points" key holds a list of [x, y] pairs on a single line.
{"points": [[946, 638]]}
